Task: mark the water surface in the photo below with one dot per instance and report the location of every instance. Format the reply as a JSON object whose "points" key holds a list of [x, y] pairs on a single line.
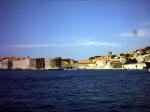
{"points": [[75, 91]]}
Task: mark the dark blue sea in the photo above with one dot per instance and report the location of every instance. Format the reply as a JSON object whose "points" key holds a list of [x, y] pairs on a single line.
{"points": [[75, 91]]}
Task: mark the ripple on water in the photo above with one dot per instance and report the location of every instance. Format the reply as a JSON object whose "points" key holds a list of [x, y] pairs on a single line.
{"points": [[74, 91]]}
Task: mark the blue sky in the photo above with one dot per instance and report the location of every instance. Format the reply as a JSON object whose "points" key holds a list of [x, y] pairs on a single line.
{"points": [[75, 29]]}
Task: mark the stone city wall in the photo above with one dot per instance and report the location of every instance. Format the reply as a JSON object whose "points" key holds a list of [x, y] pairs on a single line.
{"points": [[53, 63], [3, 64], [21, 64]]}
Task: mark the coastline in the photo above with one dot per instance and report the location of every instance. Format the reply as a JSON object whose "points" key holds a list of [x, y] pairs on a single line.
{"points": [[67, 69]]}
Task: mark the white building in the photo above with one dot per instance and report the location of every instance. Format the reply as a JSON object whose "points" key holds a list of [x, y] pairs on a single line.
{"points": [[135, 66], [123, 60], [101, 64]]}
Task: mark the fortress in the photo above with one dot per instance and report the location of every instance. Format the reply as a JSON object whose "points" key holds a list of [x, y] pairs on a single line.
{"points": [[32, 64]]}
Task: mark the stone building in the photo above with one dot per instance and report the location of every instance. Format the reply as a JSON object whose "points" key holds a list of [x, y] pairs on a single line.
{"points": [[4, 65], [68, 63], [21, 64], [101, 63], [108, 56], [32, 63], [113, 65], [53, 63], [123, 60], [40, 63], [135, 66]]}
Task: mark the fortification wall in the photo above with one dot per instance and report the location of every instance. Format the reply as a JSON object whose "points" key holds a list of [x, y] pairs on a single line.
{"points": [[3, 64], [32, 63], [52, 63], [21, 64], [113, 65], [40, 63]]}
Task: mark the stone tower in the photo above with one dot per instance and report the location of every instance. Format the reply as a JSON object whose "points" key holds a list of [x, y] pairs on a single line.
{"points": [[108, 56]]}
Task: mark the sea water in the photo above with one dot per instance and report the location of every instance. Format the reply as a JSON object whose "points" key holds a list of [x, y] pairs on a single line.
{"points": [[75, 91]]}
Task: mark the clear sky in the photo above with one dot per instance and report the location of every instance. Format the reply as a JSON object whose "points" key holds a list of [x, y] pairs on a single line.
{"points": [[75, 29]]}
